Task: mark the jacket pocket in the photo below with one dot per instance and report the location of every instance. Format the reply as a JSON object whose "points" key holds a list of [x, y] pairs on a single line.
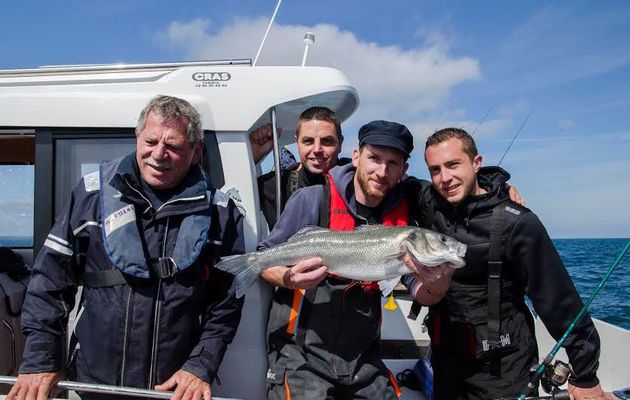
{"points": [[100, 332], [482, 347]]}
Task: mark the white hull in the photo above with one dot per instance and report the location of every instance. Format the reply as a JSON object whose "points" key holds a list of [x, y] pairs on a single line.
{"points": [[613, 372]]}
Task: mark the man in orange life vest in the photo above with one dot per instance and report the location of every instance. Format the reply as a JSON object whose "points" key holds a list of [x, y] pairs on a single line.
{"points": [[323, 331]]}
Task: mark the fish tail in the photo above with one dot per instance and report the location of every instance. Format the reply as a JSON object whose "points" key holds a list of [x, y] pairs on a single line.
{"points": [[245, 269]]}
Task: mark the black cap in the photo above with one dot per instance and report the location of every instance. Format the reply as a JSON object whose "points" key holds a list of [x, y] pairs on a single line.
{"points": [[386, 133]]}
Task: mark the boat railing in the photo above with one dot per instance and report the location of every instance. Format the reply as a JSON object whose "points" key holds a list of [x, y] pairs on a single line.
{"points": [[105, 389], [120, 67]]}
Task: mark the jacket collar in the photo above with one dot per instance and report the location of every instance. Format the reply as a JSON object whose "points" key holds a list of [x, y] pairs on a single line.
{"points": [[189, 196], [491, 179]]}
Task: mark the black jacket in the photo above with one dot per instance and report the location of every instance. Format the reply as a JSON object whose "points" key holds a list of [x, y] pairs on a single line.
{"points": [[531, 267], [140, 332]]}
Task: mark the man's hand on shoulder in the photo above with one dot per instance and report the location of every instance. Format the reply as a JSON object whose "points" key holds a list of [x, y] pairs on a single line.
{"points": [[187, 386], [36, 386], [306, 274], [515, 195], [594, 393]]}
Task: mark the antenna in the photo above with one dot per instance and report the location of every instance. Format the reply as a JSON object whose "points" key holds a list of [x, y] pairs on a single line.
{"points": [[262, 43], [514, 138], [309, 39]]}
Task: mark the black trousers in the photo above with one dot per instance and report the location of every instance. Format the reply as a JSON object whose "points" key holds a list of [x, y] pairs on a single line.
{"points": [[367, 384], [457, 378]]}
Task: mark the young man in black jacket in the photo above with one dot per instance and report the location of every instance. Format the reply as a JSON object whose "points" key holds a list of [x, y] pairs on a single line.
{"points": [[482, 332]]}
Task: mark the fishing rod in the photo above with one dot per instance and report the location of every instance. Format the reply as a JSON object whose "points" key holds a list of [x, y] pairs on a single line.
{"points": [[514, 139], [481, 122], [262, 43], [559, 395], [104, 389], [533, 382]]}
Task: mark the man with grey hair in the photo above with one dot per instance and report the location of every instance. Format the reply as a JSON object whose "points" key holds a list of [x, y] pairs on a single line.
{"points": [[142, 235]]}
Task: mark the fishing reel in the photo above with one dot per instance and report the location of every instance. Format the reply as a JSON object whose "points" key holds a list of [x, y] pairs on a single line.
{"points": [[555, 376]]}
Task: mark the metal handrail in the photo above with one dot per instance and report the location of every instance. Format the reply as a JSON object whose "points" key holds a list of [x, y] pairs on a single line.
{"points": [[103, 68], [104, 389]]}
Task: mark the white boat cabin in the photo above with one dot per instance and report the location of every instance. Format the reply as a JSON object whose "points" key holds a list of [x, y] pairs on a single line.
{"points": [[58, 123]]}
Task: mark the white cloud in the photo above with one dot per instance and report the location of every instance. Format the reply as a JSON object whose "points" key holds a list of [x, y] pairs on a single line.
{"points": [[393, 82]]}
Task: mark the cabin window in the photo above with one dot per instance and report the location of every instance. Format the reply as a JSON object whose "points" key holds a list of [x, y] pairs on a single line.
{"points": [[75, 158], [17, 154]]}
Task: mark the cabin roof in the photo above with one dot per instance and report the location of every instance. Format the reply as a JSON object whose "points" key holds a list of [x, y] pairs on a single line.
{"points": [[230, 95]]}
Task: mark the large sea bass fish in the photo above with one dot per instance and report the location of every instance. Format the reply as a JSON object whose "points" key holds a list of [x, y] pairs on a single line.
{"points": [[369, 253]]}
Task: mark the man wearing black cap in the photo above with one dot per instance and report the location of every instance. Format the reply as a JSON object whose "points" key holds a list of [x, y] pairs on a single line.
{"points": [[324, 331]]}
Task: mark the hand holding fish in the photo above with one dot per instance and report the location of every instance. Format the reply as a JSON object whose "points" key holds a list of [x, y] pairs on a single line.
{"points": [[432, 282], [306, 274], [426, 274]]}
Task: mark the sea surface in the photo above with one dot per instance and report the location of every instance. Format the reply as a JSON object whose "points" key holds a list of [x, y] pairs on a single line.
{"points": [[587, 261]]}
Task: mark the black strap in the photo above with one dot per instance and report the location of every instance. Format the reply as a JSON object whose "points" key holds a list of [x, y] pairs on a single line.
{"points": [[494, 274], [98, 279], [414, 311], [309, 294], [294, 182], [305, 314], [324, 205]]}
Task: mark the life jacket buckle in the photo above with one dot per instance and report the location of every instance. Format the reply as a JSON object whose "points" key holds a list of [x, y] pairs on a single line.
{"points": [[163, 267]]}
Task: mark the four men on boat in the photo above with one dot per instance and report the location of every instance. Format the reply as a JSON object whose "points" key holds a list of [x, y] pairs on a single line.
{"points": [[142, 234]]}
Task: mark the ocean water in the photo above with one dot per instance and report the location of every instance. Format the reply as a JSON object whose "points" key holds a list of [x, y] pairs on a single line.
{"points": [[587, 261]]}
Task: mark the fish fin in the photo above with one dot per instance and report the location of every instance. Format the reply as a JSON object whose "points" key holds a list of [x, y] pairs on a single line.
{"points": [[245, 269], [387, 285], [306, 231], [368, 227], [394, 257]]}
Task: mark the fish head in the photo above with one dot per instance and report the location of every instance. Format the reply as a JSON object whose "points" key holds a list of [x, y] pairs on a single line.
{"points": [[432, 248]]}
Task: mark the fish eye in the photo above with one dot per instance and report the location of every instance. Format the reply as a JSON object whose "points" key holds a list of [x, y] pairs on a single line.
{"points": [[443, 239]]}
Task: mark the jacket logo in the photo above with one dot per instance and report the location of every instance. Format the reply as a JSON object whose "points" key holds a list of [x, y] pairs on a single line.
{"points": [[512, 210], [119, 218], [504, 341], [92, 181], [339, 211]]}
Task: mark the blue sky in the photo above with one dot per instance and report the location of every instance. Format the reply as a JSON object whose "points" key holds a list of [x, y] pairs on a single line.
{"points": [[429, 65]]}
